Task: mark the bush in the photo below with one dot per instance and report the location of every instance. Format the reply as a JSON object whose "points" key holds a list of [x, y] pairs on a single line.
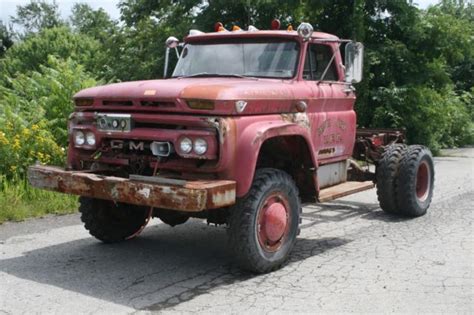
{"points": [[436, 118], [33, 115]]}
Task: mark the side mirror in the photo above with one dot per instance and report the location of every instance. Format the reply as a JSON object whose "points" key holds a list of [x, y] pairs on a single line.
{"points": [[171, 42], [354, 62]]}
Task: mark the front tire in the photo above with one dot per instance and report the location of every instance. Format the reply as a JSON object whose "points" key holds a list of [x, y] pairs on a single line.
{"points": [[415, 181], [264, 224], [111, 222]]}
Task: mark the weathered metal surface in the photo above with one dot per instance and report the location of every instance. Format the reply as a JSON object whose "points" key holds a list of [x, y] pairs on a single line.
{"points": [[370, 143], [332, 174], [344, 189], [193, 196]]}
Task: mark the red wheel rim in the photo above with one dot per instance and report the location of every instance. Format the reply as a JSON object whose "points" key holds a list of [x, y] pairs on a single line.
{"points": [[273, 222], [423, 181]]}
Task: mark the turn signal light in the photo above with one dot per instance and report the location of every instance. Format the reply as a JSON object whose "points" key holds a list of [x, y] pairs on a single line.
{"points": [[84, 101], [201, 104]]}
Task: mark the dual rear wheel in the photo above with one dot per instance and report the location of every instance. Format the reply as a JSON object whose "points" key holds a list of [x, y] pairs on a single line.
{"points": [[405, 180]]}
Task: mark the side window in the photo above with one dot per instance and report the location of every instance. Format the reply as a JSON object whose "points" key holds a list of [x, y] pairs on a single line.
{"points": [[317, 58]]}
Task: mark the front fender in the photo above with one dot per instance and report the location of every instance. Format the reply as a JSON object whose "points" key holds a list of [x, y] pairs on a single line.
{"points": [[252, 132]]}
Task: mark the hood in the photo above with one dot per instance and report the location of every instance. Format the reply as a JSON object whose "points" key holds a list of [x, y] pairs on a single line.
{"points": [[171, 95]]}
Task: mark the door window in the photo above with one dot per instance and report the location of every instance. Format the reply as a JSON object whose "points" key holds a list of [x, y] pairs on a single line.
{"points": [[317, 59]]}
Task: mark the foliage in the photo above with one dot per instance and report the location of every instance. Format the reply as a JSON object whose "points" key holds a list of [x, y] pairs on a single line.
{"points": [[37, 15], [95, 23], [33, 115], [6, 38], [33, 52], [19, 201]]}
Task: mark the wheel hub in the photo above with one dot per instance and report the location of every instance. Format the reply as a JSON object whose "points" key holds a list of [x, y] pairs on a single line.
{"points": [[273, 223], [423, 178]]}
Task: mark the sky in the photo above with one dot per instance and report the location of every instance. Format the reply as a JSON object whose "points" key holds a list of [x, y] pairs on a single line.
{"points": [[8, 7]]}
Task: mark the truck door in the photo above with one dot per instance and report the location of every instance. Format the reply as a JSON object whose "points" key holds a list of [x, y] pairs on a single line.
{"points": [[332, 108]]}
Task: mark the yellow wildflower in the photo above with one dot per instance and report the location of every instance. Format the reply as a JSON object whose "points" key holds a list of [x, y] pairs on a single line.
{"points": [[3, 139], [16, 143], [25, 132]]}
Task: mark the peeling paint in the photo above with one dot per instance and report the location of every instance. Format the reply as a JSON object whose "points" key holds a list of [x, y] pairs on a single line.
{"points": [[297, 118], [145, 192]]}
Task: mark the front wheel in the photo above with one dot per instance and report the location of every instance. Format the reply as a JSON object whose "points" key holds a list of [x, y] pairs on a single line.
{"points": [[112, 222], [264, 224]]}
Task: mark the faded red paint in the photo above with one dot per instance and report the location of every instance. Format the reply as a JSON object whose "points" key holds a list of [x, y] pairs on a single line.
{"points": [[160, 110]]}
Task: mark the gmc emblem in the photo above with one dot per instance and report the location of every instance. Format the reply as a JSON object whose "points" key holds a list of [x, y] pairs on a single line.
{"points": [[132, 145]]}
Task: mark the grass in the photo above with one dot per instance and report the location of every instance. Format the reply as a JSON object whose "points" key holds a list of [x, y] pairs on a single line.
{"points": [[19, 201]]}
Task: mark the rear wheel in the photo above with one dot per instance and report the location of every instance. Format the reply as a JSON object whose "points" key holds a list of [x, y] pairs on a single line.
{"points": [[111, 222], [387, 177], [263, 225], [415, 181]]}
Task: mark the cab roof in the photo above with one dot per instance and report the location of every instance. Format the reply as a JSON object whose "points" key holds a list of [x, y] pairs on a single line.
{"points": [[253, 34]]}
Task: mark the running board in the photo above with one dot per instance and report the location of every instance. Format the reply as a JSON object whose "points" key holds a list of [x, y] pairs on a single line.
{"points": [[344, 189]]}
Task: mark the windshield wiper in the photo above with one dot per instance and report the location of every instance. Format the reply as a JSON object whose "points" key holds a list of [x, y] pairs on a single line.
{"points": [[207, 74]]}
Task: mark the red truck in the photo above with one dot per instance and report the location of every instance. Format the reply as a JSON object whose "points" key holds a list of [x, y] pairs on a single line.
{"points": [[250, 126]]}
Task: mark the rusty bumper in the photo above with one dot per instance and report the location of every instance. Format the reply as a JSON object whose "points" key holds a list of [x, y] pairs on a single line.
{"points": [[191, 196]]}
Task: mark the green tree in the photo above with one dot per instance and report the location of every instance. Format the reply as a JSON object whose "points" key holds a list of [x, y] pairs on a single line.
{"points": [[95, 23], [37, 15], [33, 52], [6, 38]]}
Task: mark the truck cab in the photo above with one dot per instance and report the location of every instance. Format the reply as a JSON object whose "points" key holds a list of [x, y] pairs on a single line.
{"points": [[250, 125]]}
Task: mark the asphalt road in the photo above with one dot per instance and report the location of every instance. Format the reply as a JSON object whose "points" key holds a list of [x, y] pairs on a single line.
{"points": [[350, 257]]}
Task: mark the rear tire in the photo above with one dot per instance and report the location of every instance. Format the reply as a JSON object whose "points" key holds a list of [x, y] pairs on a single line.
{"points": [[415, 181], [111, 222], [264, 224], [387, 177]]}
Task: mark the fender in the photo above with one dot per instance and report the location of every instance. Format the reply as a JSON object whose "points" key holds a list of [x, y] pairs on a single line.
{"points": [[252, 133]]}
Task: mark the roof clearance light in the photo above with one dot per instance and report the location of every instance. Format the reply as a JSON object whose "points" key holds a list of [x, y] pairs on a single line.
{"points": [[290, 28], [252, 28], [235, 28], [275, 24], [219, 27], [305, 30]]}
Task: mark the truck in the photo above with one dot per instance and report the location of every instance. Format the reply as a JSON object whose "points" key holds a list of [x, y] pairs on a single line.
{"points": [[251, 126]]}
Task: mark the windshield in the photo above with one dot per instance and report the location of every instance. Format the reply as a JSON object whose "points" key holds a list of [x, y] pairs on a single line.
{"points": [[275, 59]]}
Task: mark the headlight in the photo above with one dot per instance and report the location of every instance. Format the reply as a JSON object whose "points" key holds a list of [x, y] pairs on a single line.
{"points": [[200, 146], [186, 145], [79, 138], [90, 138]]}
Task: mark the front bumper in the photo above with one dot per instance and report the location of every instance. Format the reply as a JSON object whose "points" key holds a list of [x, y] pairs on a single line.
{"points": [[191, 196]]}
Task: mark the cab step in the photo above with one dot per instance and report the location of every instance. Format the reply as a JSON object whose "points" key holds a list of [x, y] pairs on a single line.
{"points": [[343, 189]]}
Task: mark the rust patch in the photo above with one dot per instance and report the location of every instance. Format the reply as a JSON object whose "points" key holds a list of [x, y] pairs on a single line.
{"points": [[207, 92], [297, 118], [193, 196]]}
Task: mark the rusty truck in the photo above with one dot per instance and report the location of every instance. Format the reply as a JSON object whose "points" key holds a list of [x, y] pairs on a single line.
{"points": [[250, 126]]}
